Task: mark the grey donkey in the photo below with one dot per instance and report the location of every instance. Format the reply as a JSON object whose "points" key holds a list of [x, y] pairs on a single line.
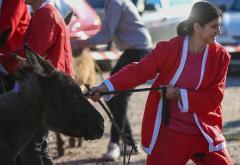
{"points": [[48, 97]]}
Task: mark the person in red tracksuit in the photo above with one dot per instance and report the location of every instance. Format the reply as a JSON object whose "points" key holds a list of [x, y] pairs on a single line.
{"points": [[14, 20], [193, 67], [47, 35]]}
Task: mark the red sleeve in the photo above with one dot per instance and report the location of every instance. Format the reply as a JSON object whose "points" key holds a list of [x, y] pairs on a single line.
{"points": [[205, 101], [11, 14], [42, 33], [136, 74]]}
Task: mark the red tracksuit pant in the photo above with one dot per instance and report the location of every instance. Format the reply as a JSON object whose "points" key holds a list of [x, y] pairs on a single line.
{"points": [[176, 148]]}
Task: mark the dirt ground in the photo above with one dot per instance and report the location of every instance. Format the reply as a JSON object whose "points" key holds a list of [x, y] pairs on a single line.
{"points": [[90, 153]]}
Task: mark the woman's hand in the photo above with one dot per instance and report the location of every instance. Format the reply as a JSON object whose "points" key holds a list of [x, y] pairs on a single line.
{"points": [[172, 92], [95, 92]]}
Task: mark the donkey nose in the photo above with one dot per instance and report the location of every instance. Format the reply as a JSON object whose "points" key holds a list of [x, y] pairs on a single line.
{"points": [[96, 131]]}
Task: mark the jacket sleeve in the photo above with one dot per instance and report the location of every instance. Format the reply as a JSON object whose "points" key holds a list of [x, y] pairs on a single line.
{"points": [[136, 74], [12, 15], [207, 100], [42, 33]]}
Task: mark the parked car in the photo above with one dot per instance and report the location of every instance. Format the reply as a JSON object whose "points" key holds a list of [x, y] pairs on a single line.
{"points": [[230, 33], [160, 17]]}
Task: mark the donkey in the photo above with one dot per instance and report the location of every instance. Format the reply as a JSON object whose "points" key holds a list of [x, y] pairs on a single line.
{"points": [[48, 97]]}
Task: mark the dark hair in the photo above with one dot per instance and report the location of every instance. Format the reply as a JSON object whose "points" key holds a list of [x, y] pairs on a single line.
{"points": [[202, 13]]}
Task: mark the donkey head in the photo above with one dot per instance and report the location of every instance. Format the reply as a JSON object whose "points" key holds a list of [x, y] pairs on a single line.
{"points": [[66, 110]]}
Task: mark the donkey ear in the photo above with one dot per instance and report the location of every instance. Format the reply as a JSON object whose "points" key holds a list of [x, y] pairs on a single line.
{"points": [[39, 64]]}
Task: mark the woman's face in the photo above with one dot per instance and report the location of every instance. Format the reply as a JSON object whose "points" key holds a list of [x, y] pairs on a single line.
{"points": [[209, 31]]}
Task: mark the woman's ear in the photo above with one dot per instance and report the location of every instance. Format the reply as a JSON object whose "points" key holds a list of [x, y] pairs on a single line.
{"points": [[197, 27]]}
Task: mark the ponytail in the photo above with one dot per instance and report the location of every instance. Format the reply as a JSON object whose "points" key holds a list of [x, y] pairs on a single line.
{"points": [[182, 28]]}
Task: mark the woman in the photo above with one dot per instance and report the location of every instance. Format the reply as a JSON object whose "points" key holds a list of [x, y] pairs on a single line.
{"points": [[193, 67]]}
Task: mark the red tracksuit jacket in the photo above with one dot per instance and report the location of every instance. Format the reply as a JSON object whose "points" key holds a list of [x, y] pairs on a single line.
{"points": [[48, 36], [165, 63], [15, 17]]}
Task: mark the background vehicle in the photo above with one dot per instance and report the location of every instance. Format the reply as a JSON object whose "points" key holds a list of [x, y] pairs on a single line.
{"points": [[230, 33]]}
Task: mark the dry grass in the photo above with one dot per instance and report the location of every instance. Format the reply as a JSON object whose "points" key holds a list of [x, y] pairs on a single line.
{"points": [[84, 67]]}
